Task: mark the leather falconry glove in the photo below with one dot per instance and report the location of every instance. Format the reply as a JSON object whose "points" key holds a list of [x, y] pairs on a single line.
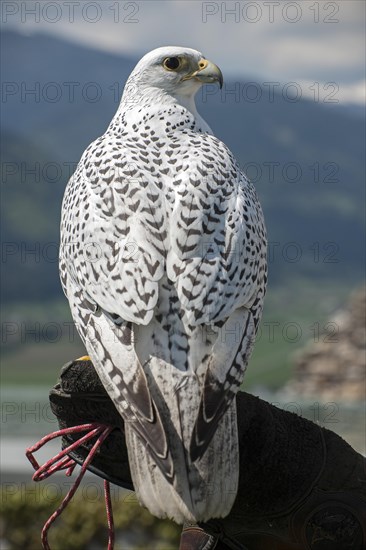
{"points": [[302, 487]]}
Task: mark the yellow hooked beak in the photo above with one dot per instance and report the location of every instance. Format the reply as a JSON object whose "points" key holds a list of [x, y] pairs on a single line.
{"points": [[207, 72]]}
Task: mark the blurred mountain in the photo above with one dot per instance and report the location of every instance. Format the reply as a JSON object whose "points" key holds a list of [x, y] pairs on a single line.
{"points": [[305, 158]]}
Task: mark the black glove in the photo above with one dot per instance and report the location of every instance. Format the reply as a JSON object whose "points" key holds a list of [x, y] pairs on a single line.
{"points": [[301, 486]]}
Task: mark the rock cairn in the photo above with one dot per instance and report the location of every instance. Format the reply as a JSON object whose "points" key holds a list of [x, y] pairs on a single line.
{"points": [[334, 367]]}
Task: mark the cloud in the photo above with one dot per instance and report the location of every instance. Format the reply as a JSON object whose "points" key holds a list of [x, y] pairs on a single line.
{"points": [[279, 40], [332, 92]]}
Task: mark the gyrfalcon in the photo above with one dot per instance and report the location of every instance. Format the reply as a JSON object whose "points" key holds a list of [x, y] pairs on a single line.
{"points": [[163, 261]]}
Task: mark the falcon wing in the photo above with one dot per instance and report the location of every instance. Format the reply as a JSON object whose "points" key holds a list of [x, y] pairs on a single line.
{"points": [[116, 251], [111, 260], [218, 242], [217, 260]]}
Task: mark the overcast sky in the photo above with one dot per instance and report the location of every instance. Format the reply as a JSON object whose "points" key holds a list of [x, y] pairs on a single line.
{"points": [[303, 41]]}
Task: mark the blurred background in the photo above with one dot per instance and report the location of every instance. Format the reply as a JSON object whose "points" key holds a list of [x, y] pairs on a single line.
{"points": [[292, 109]]}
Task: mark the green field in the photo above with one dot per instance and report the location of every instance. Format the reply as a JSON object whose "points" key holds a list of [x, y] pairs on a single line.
{"points": [[288, 324]]}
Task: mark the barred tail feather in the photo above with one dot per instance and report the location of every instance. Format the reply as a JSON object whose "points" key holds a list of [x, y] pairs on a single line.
{"points": [[159, 404], [201, 490], [166, 480]]}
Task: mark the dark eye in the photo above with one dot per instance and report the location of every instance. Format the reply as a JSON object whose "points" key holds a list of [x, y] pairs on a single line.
{"points": [[171, 63]]}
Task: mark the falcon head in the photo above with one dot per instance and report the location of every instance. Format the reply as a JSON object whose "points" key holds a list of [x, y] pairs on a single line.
{"points": [[176, 70]]}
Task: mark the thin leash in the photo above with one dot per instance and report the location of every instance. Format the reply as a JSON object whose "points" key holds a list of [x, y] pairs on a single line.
{"points": [[62, 461]]}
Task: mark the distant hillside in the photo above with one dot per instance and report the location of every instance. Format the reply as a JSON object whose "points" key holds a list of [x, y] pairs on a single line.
{"points": [[313, 200], [320, 366]]}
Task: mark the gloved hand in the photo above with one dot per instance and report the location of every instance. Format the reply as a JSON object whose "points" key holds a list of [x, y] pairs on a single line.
{"points": [[301, 486]]}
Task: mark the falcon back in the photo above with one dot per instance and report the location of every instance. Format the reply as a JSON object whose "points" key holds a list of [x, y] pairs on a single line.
{"points": [[163, 261]]}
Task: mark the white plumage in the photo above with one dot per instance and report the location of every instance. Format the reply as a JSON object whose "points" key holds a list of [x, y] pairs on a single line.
{"points": [[163, 260]]}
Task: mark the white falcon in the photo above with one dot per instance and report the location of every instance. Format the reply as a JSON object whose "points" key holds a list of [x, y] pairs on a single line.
{"points": [[163, 261]]}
